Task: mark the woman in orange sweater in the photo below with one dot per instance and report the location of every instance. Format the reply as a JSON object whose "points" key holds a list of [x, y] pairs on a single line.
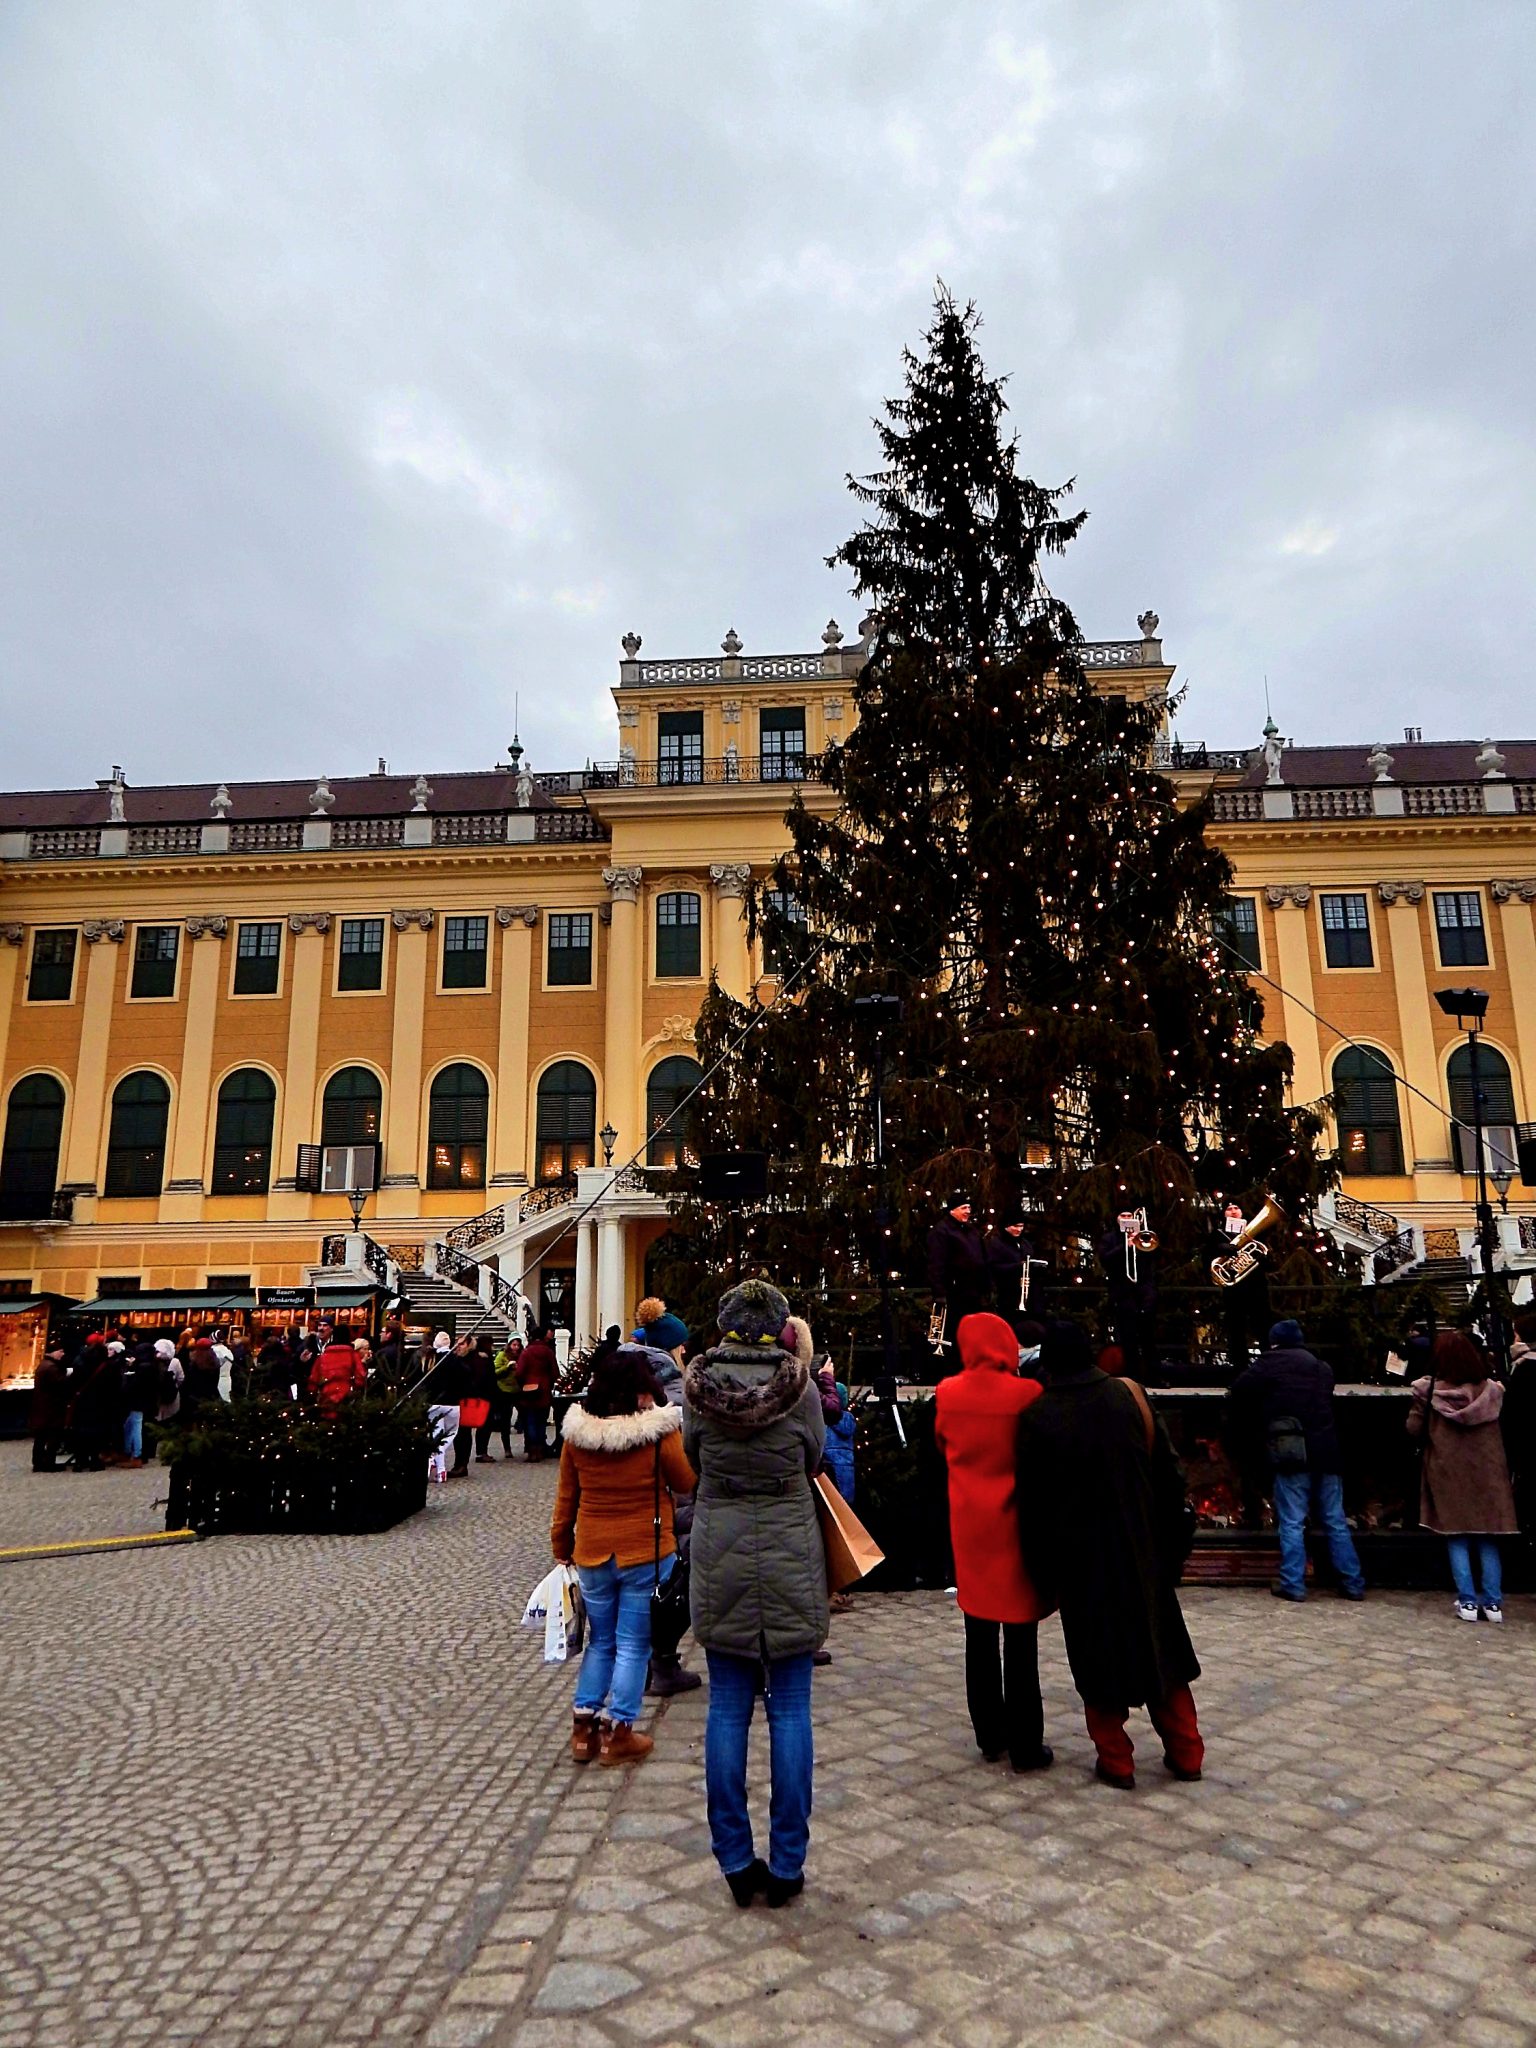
{"points": [[621, 1462]]}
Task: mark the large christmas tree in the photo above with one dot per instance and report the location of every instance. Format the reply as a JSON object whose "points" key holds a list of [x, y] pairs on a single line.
{"points": [[1004, 859]]}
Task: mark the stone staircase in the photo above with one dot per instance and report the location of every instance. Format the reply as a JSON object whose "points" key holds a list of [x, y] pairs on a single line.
{"points": [[457, 1308], [1451, 1279]]}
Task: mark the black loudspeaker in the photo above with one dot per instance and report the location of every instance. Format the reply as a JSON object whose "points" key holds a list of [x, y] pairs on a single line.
{"points": [[1525, 1152], [733, 1176]]}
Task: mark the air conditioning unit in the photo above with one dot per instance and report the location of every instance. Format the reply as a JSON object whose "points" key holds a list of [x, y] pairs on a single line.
{"points": [[337, 1169]]}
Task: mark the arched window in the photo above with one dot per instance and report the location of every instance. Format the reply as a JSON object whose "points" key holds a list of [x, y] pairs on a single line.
{"points": [[1497, 1089], [242, 1134], [456, 1125], [141, 1107], [669, 1084], [566, 1125], [1370, 1138], [29, 1165], [352, 1109]]}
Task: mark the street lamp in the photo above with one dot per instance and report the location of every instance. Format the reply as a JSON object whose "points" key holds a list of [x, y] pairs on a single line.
{"points": [[1469, 1006], [882, 1013], [608, 1137]]}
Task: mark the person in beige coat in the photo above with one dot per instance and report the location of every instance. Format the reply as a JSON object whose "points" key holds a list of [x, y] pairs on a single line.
{"points": [[1464, 1490]]}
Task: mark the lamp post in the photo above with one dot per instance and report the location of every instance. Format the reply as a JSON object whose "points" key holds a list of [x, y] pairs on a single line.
{"points": [[608, 1137], [1469, 1006], [881, 1012]]}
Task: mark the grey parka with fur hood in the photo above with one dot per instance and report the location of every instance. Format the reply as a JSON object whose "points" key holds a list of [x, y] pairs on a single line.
{"points": [[753, 1431]]}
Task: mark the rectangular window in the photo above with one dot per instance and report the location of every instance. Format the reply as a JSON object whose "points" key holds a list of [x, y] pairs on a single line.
{"points": [[361, 964], [680, 740], [782, 734], [154, 960], [229, 1283], [111, 1285], [570, 949], [258, 957], [1346, 932], [783, 944], [1240, 929], [1459, 927], [464, 951], [677, 934], [53, 967]]}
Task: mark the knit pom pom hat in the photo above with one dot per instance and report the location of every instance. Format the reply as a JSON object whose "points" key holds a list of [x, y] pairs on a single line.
{"points": [[754, 1312]]}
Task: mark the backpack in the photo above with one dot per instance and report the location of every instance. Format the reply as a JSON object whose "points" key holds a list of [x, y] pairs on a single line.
{"points": [[1286, 1442]]}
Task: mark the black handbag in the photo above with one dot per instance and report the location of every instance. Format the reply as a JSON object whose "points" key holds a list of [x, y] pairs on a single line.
{"points": [[669, 1596]]}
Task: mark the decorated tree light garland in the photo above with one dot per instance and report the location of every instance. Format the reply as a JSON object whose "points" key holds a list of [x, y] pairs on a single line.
{"points": [[1005, 859]]}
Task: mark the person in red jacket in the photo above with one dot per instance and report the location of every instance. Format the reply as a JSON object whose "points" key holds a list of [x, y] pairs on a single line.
{"points": [[535, 1392], [337, 1372], [975, 1426]]}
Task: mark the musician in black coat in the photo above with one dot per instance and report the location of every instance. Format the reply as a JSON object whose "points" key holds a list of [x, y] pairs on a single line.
{"points": [[1008, 1252], [1132, 1286], [958, 1271]]}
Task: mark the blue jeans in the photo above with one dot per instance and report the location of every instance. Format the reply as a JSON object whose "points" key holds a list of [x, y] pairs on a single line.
{"points": [[531, 1422], [733, 1687], [1490, 1569], [1294, 1493], [618, 1652], [133, 1434]]}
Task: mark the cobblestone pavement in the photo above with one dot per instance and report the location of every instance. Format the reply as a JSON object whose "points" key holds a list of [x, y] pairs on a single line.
{"points": [[313, 1790], [264, 1791]]}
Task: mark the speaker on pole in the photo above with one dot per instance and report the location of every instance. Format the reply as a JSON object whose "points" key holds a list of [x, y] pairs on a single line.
{"points": [[733, 1176]]}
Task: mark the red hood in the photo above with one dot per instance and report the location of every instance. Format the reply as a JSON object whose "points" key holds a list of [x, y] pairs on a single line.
{"points": [[987, 1345]]}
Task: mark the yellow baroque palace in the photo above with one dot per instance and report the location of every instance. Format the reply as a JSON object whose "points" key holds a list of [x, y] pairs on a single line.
{"points": [[492, 978]]}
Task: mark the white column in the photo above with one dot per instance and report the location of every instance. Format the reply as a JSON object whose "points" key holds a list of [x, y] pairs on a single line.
{"points": [[584, 1308], [610, 1273]]}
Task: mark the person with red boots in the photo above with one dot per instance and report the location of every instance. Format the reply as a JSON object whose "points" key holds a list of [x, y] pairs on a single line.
{"points": [[1101, 1501]]}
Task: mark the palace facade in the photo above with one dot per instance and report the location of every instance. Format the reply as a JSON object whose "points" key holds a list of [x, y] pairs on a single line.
{"points": [[480, 987]]}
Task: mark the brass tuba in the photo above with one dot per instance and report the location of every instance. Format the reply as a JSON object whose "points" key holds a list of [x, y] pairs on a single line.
{"points": [[1246, 1251]]}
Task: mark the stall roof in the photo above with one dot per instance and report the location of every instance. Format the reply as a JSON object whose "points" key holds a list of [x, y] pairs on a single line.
{"points": [[163, 1304], [15, 1305], [175, 1303]]}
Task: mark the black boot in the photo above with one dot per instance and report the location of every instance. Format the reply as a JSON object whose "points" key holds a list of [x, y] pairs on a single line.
{"points": [[746, 1884], [668, 1677]]}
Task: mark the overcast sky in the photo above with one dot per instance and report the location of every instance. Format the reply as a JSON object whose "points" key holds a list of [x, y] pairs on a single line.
{"points": [[363, 362]]}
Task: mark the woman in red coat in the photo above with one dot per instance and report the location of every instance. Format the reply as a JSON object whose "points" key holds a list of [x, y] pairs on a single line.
{"points": [[975, 1426]]}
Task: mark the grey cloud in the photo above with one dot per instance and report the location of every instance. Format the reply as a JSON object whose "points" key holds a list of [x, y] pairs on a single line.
{"points": [[362, 364]]}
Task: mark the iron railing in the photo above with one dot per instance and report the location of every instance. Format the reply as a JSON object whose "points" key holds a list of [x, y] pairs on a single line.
{"points": [[686, 774]]}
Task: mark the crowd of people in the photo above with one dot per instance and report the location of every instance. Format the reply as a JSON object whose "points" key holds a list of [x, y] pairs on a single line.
{"points": [[1065, 1497]]}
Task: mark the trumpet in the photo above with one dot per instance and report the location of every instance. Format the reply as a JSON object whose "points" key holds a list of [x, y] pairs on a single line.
{"points": [[936, 1322], [1024, 1281], [1247, 1253]]}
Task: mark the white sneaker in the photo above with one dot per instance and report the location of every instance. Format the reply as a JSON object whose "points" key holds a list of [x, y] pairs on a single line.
{"points": [[1466, 1610], [1493, 1614]]}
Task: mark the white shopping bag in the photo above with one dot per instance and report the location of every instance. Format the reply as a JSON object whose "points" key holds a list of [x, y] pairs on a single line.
{"points": [[553, 1603]]}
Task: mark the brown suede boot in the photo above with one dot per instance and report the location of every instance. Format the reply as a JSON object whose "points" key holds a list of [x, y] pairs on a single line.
{"points": [[621, 1745], [586, 1738]]}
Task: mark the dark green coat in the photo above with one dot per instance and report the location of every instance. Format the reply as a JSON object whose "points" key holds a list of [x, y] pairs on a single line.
{"points": [[753, 1431], [1100, 1523]]}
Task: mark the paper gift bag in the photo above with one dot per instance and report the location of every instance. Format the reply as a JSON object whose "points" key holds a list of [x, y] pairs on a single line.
{"points": [[852, 1553]]}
